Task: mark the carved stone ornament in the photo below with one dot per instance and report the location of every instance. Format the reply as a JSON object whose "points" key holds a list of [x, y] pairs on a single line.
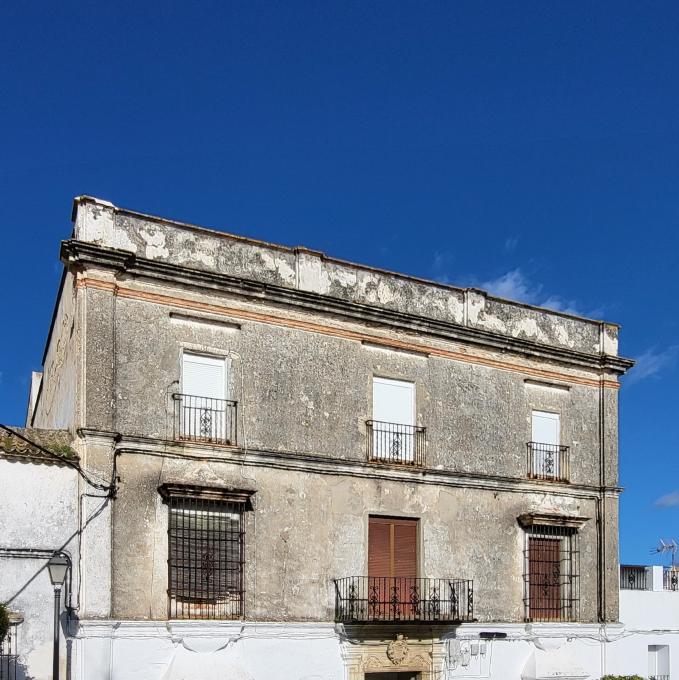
{"points": [[397, 650]]}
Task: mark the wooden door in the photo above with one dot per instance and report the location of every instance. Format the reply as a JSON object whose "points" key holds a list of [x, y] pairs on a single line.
{"points": [[392, 567], [544, 555]]}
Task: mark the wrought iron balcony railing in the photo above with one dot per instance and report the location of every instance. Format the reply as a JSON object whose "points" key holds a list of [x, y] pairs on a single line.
{"points": [[384, 599], [202, 419], [633, 577], [395, 443], [548, 461], [670, 578]]}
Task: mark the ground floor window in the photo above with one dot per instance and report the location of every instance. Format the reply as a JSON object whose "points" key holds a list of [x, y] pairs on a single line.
{"points": [[551, 572], [659, 662], [205, 554]]}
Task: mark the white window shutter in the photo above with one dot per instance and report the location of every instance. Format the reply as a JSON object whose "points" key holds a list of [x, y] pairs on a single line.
{"points": [[203, 376], [393, 401], [546, 428], [393, 420]]}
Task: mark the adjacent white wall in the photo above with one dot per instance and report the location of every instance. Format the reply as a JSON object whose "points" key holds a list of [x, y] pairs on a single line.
{"points": [[38, 509]]}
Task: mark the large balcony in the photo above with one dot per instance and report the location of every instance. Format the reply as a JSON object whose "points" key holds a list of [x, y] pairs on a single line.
{"points": [[548, 461], [384, 599], [202, 419], [395, 444]]}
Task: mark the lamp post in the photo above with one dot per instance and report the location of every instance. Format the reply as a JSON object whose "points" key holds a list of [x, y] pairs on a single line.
{"points": [[57, 566]]}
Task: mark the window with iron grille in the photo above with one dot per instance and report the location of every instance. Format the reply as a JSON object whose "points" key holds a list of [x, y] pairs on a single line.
{"points": [[551, 571], [206, 557], [10, 667]]}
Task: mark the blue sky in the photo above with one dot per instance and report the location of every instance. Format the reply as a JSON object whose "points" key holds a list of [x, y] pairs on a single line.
{"points": [[532, 148]]}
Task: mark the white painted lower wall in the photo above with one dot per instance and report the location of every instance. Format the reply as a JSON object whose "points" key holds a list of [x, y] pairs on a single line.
{"points": [[255, 651]]}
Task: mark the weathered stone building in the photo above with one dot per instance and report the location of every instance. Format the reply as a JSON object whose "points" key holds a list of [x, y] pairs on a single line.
{"points": [[312, 458]]}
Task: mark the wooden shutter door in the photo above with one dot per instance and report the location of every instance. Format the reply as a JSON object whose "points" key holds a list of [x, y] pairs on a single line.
{"points": [[545, 578], [392, 566], [405, 548]]}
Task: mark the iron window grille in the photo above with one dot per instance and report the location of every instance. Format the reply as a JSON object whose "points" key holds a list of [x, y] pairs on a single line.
{"points": [[9, 657], [670, 578], [203, 419], [633, 577], [551, 569], [395, 443], [206, 536], [548, 461]]}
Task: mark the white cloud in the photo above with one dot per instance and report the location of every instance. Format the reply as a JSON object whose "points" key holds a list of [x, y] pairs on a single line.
{"points": [[515, 285], [669, 500], [652, 362], [511, 243]]}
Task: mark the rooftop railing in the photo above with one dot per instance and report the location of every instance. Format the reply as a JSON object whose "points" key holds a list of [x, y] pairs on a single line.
{"points": [[656, 578], [633, 577]]}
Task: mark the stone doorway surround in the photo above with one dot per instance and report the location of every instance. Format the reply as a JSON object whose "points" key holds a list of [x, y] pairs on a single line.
{"points": [[394, 654]]}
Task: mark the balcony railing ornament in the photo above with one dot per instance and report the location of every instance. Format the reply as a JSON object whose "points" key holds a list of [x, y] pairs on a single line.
{"points": [[203, 419], [378, 599]]}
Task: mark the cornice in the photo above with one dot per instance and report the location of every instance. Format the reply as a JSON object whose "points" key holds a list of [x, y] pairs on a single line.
{"points": [[308, 463], [83, 254]]}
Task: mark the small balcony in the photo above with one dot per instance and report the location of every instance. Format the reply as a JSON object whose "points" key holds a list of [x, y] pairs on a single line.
{"points": [[395, 444], [550, 462], [386, 599], [202, 419]]}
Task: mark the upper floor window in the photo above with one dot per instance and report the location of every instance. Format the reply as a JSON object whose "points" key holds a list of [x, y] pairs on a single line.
{"points": [[393, 436], [547, 458], [203, 413], [206, 556]]}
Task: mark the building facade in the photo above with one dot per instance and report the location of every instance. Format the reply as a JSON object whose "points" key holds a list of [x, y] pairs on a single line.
{"points": [[322, 470]]}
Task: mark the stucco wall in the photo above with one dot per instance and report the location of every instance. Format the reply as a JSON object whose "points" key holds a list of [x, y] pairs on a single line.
{"points": [[307, 529], [38, 509], [56, 406], [306, 392]]}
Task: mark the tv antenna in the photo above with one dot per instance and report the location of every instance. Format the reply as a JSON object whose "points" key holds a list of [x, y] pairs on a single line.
{"points": [[666, 547]]}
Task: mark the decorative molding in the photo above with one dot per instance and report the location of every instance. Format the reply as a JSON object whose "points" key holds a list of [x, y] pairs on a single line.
{"points": [[90, 254], [541, 519], [213, 493], [309, 463], [424, 656], [397, 650], [175, 629], [314, 327]]}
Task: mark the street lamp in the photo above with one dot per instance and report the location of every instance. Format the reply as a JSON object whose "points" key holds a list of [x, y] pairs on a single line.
{"points": [[58, 566]]}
